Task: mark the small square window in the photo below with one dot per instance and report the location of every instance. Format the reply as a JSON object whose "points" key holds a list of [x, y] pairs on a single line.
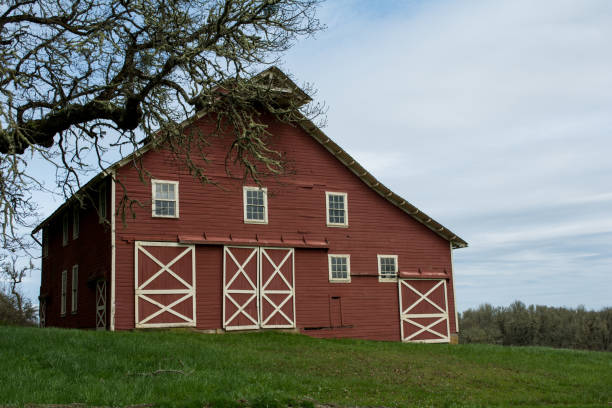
{"points": [[387, 268], [165, 198], [255, 205], [337, 211], [339, 268]]}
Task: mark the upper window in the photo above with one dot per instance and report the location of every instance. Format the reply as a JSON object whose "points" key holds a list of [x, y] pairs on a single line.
{"points": [[337, 212], [165, 198], [65, 230], [387, 267], [75, 223], [102, 202], [339, 268], [255, 205]]}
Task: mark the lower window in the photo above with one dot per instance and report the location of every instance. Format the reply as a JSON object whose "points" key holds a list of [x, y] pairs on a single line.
{"points": [[387, 268], [339, 268]]}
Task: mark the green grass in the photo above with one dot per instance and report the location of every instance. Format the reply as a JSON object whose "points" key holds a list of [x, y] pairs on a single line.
{"points": [[44, 366]]}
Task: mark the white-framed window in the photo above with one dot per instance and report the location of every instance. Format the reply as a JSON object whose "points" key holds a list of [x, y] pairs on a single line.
{"points": [[45, 241], [165, 202], [336, 205], [387, 268], [65, 229], [339, 268], [63, 297], [102, 203], [255, 205], [75, 223], [75, 288]]}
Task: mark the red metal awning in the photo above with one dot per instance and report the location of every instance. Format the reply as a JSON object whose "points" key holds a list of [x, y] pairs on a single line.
{"points": [[282, 241]]}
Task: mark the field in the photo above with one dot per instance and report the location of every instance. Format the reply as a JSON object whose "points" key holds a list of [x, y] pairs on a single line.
{"points": [[182, 368]]}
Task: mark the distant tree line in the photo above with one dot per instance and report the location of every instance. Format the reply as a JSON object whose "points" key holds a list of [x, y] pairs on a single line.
{"points": [[520, 325]]}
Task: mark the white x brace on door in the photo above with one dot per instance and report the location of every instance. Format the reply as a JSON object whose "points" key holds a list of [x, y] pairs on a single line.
{"points": [[164, 285], [258, 288], [424, 310]]}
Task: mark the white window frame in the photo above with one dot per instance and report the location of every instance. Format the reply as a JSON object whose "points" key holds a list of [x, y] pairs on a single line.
{"points": [[45, 242], [336, 224], [380, 276], [63, 293], [74, 288], [76, 223], [65, 231], [176, 198], [102, 203], [348, 268], [244, 204]]}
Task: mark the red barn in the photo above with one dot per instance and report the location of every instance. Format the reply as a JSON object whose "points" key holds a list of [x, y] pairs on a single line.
{"points": [[327, 251]]}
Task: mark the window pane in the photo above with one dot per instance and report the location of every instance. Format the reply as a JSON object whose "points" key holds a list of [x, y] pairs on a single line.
{"points": [[336, 209], [255, 210], [165, 208], [388, 267], [339, 267], [170, 191]]}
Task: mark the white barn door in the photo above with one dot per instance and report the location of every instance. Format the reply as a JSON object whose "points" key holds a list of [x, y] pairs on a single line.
{"points": [[101, 304], [240, 286], [258, 288], [164, 285], [277, 290], [424, 310]]}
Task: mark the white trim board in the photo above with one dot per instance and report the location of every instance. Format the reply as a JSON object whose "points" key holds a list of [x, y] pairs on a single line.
{"points": [[113, 250]]}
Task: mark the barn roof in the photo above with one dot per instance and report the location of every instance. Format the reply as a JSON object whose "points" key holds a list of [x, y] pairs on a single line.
{"points": [[284, 85]]}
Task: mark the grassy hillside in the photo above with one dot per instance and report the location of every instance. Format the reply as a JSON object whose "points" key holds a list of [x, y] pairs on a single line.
{"points": [[180, 368]]}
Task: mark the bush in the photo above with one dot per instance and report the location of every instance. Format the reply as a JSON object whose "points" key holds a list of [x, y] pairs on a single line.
{"points": [[519, 325]]}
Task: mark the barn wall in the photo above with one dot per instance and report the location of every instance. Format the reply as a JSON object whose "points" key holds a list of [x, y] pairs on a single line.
{"points": [[91, 251], [296, 204], [364, 308]]}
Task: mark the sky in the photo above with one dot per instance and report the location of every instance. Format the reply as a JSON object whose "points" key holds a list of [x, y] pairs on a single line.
{"points": [[493, 117]]}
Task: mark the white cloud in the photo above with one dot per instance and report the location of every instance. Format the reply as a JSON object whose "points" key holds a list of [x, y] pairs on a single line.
{"points": [[498, 116]]}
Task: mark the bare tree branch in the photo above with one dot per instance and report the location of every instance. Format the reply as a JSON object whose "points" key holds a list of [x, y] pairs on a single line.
{"points": [[72, 72]]}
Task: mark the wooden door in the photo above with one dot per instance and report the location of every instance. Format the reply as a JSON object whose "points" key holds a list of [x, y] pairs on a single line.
{"points": [[424, 310], [101, 304], [240, 288], [258, 288], [164, 285], [276, 294], [335, 311]]}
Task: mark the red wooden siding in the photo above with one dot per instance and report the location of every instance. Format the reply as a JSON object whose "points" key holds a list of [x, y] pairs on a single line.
{"points": [[364, 308], [91, 251]]}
